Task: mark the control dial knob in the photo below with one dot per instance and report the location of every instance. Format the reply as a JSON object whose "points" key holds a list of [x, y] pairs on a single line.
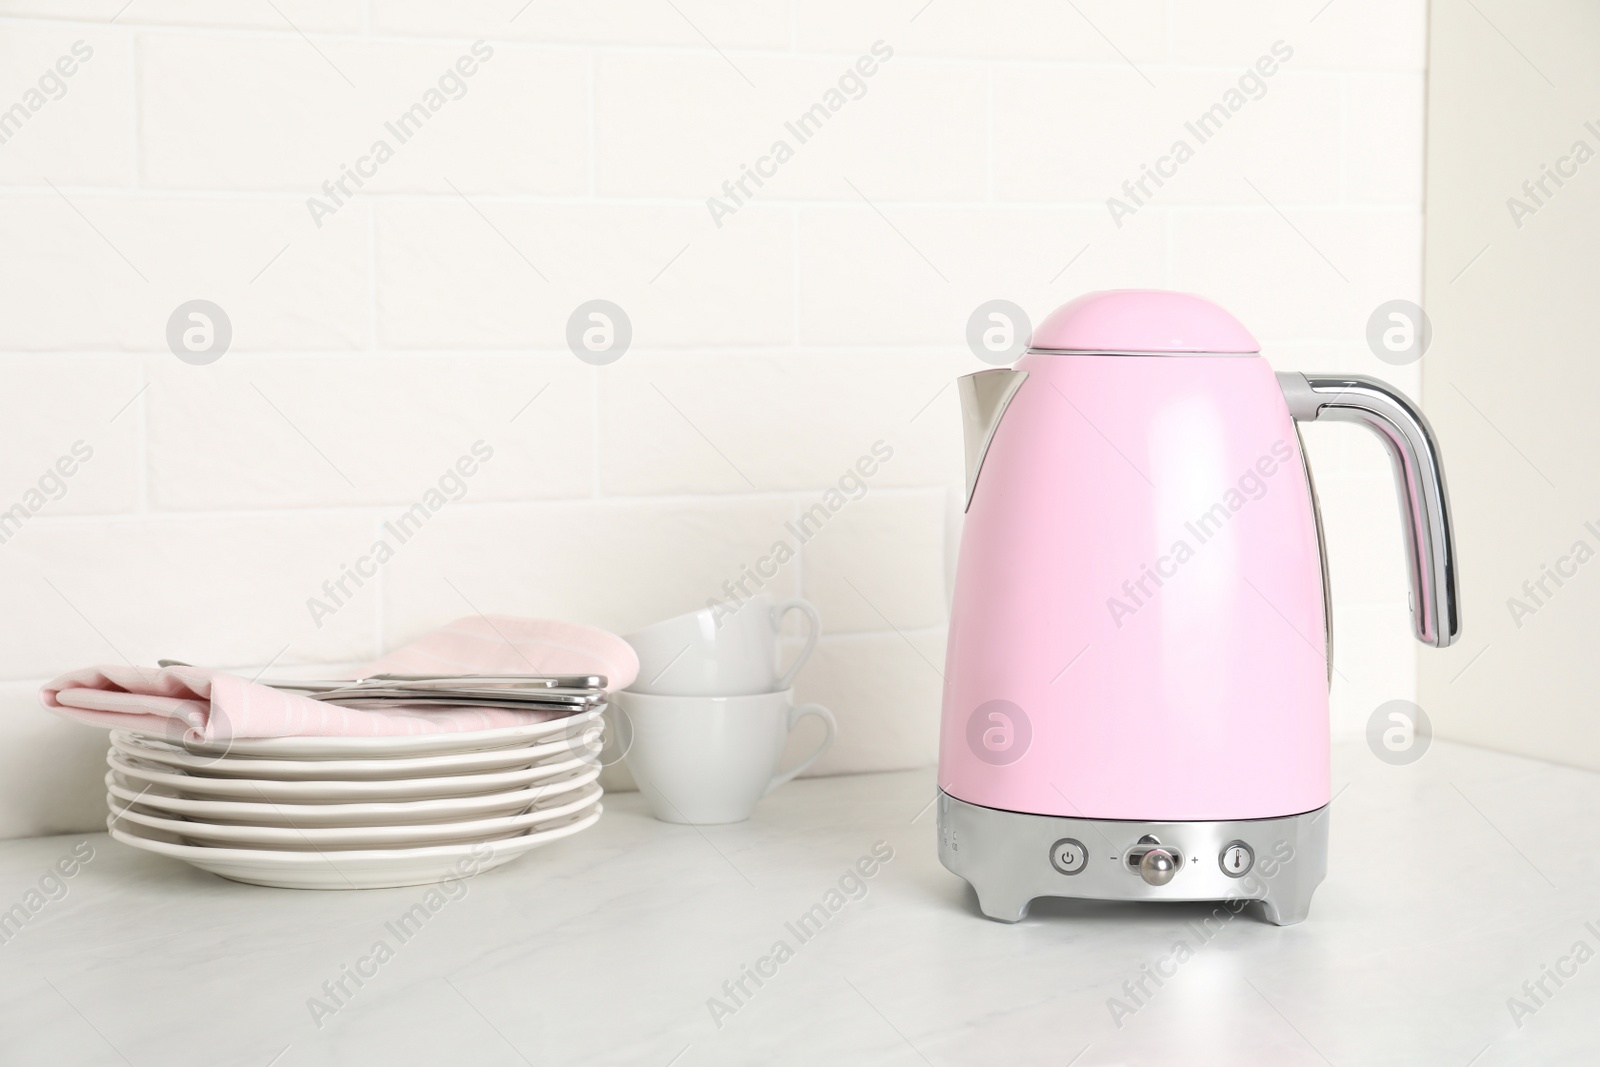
{"points": [[1154, 862], [1157, 866]]}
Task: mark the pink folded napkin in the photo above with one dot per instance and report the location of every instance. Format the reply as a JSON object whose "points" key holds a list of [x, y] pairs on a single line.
{"points": [[202, 704]]}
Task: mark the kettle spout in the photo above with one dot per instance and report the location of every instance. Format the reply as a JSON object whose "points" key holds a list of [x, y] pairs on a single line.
{"points": [[984, 399]]}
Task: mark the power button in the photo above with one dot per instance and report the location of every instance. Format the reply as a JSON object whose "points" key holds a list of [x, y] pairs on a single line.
{"points": [[1069, 856], [1237, 859]]}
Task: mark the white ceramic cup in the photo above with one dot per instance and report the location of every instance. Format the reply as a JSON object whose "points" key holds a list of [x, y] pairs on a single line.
{"points": [[720, 653], [707, 760]]}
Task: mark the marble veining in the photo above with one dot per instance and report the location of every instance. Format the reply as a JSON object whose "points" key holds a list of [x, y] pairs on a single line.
{"points": [[1458, 888]]}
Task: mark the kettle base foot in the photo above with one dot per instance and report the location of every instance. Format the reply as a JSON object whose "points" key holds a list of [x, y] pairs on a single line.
{"points": [[1004, 910], [1012, 858], [1284, 914]]}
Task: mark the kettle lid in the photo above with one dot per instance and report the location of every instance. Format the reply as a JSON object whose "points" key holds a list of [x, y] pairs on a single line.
{"points": [[1141, 320]]}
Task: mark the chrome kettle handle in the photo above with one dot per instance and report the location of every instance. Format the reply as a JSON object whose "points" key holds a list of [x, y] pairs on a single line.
{"points": [[1431, 554]]}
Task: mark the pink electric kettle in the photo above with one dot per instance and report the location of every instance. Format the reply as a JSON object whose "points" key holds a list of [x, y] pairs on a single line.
{"points": [[1136, 698]]}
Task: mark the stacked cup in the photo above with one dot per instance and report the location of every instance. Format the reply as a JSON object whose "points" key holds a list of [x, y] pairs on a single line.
{"points": [[710, 712]]}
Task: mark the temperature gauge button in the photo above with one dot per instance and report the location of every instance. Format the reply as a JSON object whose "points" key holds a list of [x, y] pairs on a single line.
{"points": [[1237, 859]]}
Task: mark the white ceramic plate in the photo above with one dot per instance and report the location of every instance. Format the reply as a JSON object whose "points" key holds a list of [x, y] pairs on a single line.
{"points": [[341, 792], [152, 750], [341, 838], [384, 747], [165, 800], [365, 869]]}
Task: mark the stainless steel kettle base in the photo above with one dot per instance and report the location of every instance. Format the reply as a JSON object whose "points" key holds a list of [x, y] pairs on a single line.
{"points": [[1011, 858]]}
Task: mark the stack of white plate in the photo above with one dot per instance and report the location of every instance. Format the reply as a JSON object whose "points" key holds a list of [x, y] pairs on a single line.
{"points": [[356, 812]]}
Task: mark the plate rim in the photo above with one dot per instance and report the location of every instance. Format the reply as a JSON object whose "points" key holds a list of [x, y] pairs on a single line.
{"points": [[460, 740], [133, 744], [476, 830], [537, 789], [184, 783], [245, 856]]}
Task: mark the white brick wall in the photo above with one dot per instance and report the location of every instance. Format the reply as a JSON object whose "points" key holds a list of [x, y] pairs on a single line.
{"points": [[769, 352]]}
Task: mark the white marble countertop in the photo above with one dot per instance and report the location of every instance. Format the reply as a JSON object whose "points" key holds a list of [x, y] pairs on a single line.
{"points": [[1451, 883]]}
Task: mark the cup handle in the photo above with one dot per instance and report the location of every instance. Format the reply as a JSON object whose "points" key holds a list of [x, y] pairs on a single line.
{"points": [[796, 713], [805, 608]]}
